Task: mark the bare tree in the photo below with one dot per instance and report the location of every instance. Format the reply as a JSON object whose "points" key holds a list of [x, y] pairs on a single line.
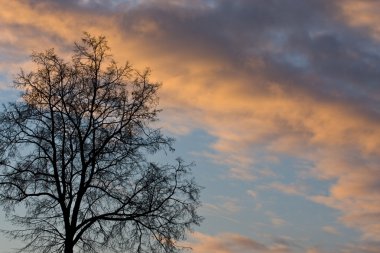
{"points": [[74, 154]]}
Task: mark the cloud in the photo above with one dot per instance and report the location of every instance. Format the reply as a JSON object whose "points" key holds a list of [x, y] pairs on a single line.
{"points": [[278, 221], [275, 219], [233, 242], [230, 242], [292, 189], [364, 247], [315, 250], [355, 193], [252, 193], [362, 14], [225, 205], [330, 230]]}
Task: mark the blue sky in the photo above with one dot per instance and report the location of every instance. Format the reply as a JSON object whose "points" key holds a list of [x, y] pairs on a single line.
{"points": [[277, 102]]}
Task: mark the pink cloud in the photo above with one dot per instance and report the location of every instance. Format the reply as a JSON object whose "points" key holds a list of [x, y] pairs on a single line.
{"points": [[230, 242]]}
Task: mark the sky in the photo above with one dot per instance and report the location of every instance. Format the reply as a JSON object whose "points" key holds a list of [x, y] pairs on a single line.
{"points": [[276, 101]]}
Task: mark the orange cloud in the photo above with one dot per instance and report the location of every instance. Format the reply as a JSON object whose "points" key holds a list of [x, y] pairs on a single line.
{"points": [[330, 230], [355, 192], [362, 14], [292, 189], [230, 242]]}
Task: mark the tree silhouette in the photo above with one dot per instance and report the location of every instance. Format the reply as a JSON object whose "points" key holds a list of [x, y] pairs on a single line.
{"points": [[74, 155]]}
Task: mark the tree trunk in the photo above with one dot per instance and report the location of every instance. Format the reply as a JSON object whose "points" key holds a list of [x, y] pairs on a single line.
{"points": [[69, 245], [69, 248]]}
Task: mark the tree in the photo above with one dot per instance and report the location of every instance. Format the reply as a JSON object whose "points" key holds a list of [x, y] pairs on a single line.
{"points": [[74, 154]]}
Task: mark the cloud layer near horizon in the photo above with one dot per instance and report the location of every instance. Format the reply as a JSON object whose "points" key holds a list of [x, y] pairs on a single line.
{"points": [[282, 78]]}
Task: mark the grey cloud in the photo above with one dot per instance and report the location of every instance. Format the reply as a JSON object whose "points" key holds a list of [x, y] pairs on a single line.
{"points": [[305, 45], [367, 247]]}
